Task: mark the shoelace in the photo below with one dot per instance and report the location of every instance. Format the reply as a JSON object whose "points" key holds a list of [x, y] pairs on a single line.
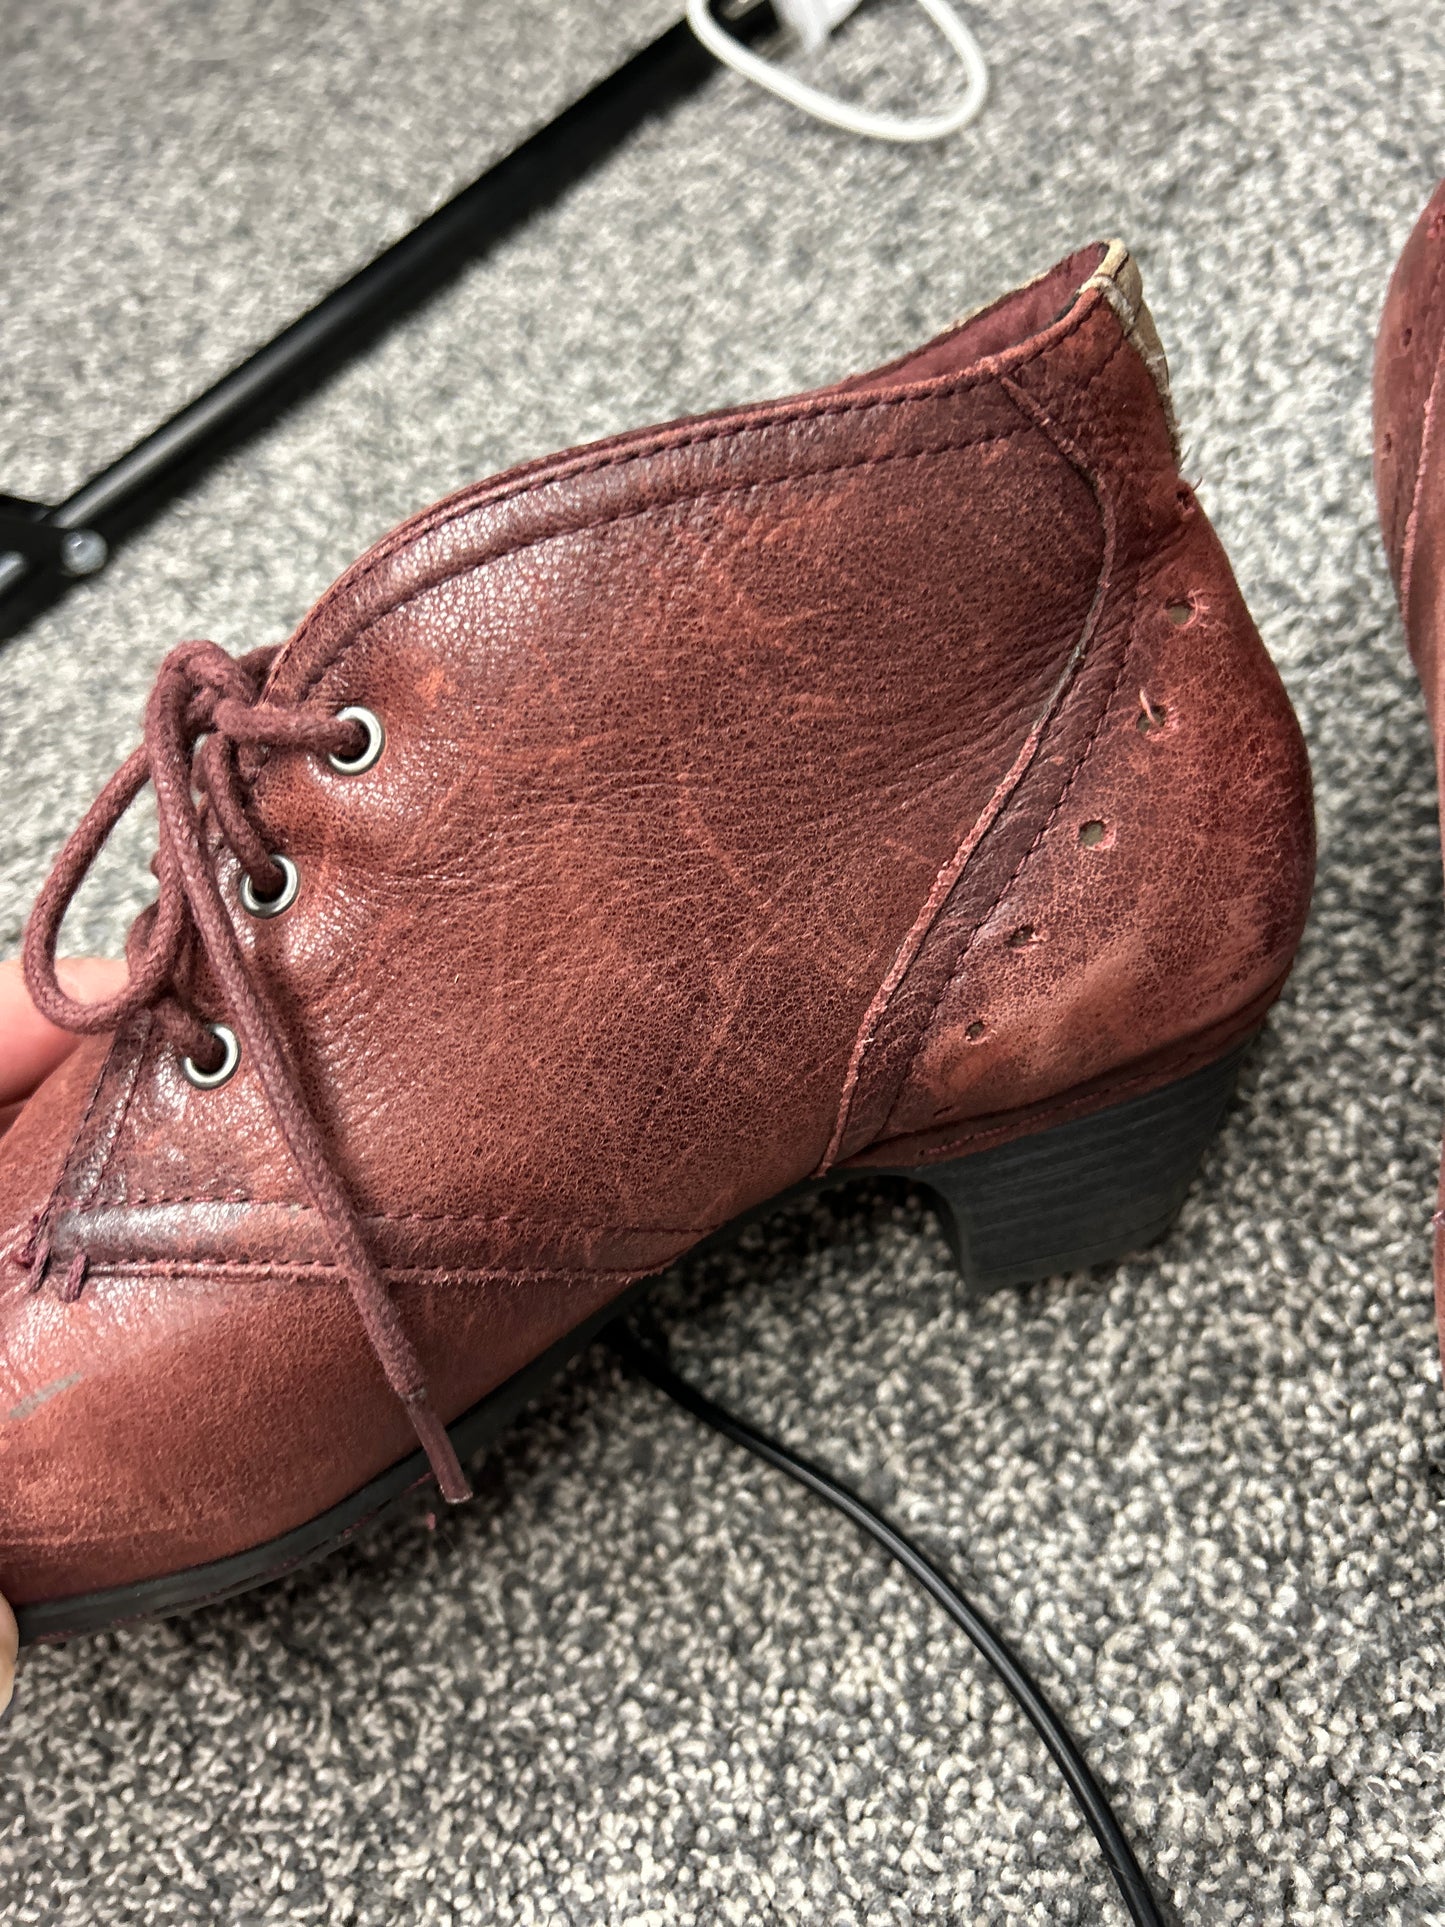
{"points": [[205, 710]]}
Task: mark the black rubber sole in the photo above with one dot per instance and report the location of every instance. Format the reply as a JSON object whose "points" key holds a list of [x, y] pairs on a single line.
{"points": [[1079, 1194]]}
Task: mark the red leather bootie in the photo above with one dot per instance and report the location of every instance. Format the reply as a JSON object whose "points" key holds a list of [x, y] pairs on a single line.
{"points": [[886, 779], [1410, 484]]}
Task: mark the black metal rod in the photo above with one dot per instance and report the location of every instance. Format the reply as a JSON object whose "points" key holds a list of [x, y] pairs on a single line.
{"points": [[525, 181]]}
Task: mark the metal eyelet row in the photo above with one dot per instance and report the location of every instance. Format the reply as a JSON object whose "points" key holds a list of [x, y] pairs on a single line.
{"points": [[266, 907]]}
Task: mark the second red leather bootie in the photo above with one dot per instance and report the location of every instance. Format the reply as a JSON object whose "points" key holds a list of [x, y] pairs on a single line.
{"points": [[1410, 483], [887, 779]]}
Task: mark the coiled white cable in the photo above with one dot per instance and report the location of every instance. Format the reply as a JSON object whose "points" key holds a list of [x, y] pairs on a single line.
{"points": [[811, 21]]}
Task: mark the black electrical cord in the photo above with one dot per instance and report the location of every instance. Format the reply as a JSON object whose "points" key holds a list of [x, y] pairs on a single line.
{"points": [[1092, 1802]]}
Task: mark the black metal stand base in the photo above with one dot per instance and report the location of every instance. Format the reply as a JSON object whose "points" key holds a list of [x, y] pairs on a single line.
{"points": [[44, 550]]}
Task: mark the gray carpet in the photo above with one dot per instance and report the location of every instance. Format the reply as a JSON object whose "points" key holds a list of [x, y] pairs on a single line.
{"points": [[640, 1681]]}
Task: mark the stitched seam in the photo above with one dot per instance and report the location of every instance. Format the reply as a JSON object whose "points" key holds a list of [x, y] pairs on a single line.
{"points": [[52, 1206], [1086, 386], [80, 1130], [940, 388], [1066, 790], [122, 1201], [1412, 520], [1087, 751], [100, 1207], [1074, 457], [1127, 654], [685, 500], [122, 1112], [318, 1268], [84, 1124]]}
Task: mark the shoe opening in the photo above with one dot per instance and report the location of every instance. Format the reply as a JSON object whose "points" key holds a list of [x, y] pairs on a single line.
{"points": [[1017, 317], [1012, 319]]}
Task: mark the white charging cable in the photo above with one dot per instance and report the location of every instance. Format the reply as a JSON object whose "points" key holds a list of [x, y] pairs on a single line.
{"points": [[811, 22]]}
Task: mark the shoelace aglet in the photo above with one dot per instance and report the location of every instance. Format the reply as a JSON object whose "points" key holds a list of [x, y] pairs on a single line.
{"points": [[451, 1480], [74, 1278]]}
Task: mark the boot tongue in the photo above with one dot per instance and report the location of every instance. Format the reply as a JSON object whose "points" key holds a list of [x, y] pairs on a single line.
{"points": [[1118, 279]]}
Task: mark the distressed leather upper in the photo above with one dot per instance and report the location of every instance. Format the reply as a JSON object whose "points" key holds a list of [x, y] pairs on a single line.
{"points": [[724, 765], [1410, 483]]}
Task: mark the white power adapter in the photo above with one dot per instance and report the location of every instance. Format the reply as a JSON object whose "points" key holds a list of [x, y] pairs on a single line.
{"points": [[810, 22]]}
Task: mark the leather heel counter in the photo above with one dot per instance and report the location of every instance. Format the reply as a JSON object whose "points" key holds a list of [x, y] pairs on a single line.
{"points": [[1409, 400], [1408, 350], [1169, 889]]}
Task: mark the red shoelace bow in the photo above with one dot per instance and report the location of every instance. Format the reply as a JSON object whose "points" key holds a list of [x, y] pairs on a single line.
{"points": [[206, 706]]}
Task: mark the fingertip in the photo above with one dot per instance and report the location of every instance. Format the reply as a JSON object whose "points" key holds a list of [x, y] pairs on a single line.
{"points": [[30, 1047], [90, 980]]}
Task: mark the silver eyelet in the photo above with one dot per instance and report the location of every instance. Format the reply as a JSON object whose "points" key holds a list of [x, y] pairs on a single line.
{"points": [[211, 1080], [284, 897], [370, 750]]}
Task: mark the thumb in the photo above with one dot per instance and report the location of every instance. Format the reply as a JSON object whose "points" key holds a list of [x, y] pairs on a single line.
{"points": [[30, 1048]]}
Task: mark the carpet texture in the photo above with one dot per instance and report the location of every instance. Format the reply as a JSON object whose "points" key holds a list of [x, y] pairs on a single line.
{"points": [[640, 1680]]}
